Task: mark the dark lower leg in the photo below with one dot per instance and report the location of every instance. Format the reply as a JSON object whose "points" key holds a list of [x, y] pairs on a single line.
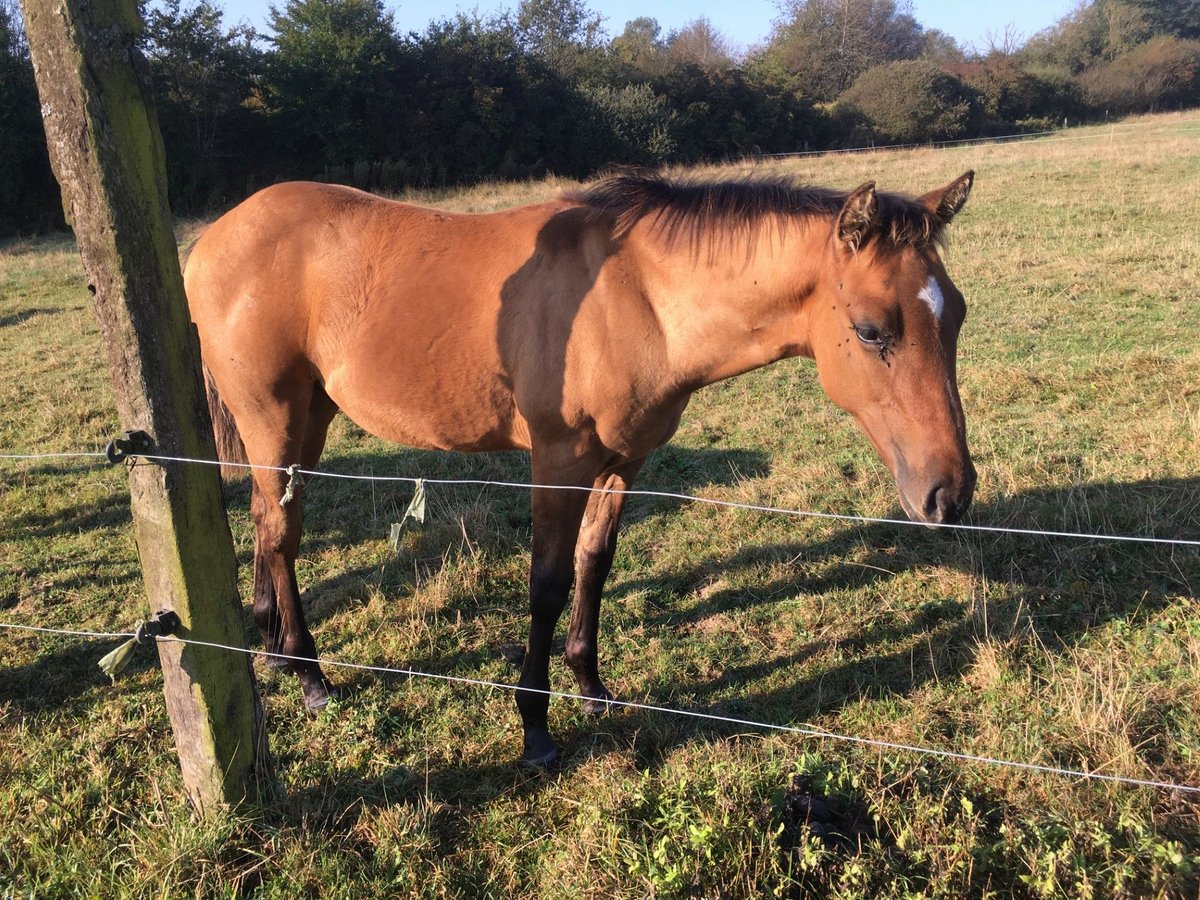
{"points": [[266, 612], [277, 609], [556, 516], [317, 688], [296, 641], [582, 654], [547, 597], [593, 559]]}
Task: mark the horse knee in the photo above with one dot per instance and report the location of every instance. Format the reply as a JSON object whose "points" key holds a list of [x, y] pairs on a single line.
{"points": [[579, 654], [276, 523], [548, 589]]}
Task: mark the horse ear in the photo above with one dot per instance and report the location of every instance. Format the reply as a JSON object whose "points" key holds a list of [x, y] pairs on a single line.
{"points": [[857, 217], [946, 201]]}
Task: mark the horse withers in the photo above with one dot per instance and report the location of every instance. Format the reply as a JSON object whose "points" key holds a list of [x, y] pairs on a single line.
{"points": [[576, 329]]}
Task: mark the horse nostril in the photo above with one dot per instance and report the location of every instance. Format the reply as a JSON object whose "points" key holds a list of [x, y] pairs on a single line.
{"points": [[942, 506], [931, 508]]}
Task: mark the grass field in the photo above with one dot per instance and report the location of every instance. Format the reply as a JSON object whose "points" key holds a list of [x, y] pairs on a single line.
{"points": [[1079, 256]]}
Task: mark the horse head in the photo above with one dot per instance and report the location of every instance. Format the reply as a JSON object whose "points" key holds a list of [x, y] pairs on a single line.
{"points": [[884, 332]]}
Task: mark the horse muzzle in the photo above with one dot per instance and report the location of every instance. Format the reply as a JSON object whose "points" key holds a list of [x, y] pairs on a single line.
{"points": [[940, 500]]}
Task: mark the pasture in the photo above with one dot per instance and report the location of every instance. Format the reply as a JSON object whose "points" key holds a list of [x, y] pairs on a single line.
{"points": [[1079, 256]]}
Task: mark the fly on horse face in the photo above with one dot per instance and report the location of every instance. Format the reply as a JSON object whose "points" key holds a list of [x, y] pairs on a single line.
{"points": [[577, 330]]}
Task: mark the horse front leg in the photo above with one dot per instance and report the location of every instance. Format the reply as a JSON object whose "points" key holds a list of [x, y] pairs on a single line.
{"points": [[556, 517], [593, 559]]}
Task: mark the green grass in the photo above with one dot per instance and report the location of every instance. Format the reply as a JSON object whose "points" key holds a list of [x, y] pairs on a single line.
{"points": [[1079, 258]]}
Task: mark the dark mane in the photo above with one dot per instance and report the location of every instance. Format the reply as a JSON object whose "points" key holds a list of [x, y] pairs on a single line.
{"points": [[697, 208]]}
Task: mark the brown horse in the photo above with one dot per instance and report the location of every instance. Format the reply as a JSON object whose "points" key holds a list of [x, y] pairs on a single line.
{"points": [[576, 329]]}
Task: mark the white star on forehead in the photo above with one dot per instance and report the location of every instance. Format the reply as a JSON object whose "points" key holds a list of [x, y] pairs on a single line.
{"points": [[932, 295]]}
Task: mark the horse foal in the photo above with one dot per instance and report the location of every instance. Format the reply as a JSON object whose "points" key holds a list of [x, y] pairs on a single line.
{"points": [[577, 330]]}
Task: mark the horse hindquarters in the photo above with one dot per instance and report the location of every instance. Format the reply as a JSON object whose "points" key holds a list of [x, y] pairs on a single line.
{"points": [[282, 418]]}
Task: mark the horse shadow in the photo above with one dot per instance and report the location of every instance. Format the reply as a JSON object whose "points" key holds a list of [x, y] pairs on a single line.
{"points": [[64, 674], [109, 513], [1060, 589], [65, 677], [1055, 590], [1054, 594]]}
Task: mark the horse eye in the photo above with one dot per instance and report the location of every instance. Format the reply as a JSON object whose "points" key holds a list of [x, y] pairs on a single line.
{"points": [[869, 334]]}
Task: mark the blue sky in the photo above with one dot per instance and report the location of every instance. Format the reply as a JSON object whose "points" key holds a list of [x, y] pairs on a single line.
{"points": [[743, 22]]}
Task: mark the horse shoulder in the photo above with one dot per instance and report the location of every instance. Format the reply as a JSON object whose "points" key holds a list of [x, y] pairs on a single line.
{"points": [[618, 363]]}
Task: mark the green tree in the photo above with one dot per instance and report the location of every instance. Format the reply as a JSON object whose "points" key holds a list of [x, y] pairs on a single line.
{"points": [[329, 80], [699, 44], [1163, 72], [912, 101], [1178, 18], [639, 46], [826, 44], [739, 110], [209, 111], [940, 47], [477, 105], [561, 32], [28, 193], [1011, 95], [1094, 32], [12, 31], [630, 125]]}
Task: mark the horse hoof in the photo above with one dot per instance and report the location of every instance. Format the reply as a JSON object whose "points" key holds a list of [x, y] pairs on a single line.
{"points": [[599, 704], [540, 753], [313, 707], [318, 697], [277, 663]]}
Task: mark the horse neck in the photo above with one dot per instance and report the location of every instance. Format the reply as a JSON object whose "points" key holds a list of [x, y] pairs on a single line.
{"points": [[727, 310]]}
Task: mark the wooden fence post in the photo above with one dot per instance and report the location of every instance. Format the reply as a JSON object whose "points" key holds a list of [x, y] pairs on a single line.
{"points": [[107, 154]]}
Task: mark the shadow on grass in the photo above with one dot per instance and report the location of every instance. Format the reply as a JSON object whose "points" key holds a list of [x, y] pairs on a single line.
{"points": [[108, 513], [25, 315], [1062, 587], [1058, 588], [65, 678]]}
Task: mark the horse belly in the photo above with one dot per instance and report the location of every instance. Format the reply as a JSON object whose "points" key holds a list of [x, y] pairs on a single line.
{"points": [[448, 413]]}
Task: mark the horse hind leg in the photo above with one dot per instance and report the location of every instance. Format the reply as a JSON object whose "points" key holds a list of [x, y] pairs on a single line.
{"points": [[265, 608], [594, 552], [321, 411], [292, 430]]}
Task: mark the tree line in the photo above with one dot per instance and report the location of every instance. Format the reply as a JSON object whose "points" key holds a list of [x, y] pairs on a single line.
{"points": [[332, 91]]}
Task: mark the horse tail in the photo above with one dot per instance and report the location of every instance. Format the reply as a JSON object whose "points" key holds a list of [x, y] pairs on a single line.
{"points": [[230, 448]]}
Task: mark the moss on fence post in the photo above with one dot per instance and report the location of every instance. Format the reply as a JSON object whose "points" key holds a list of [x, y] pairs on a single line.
{"points": [[107, 154]]}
